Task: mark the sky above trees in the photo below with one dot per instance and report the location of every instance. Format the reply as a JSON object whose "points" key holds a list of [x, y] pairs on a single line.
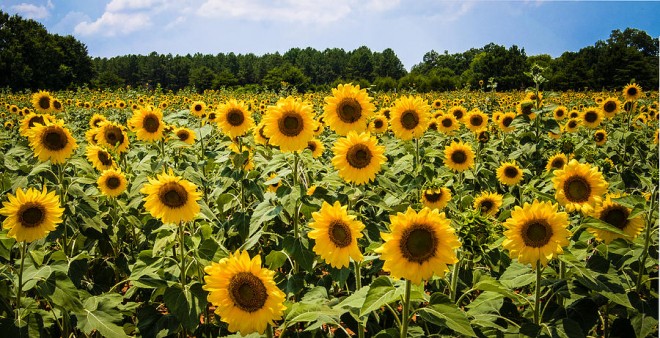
{"points": [[410, 28]]}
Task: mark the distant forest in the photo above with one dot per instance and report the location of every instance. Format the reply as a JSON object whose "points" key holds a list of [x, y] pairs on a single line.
{"points": [[31, 58]]}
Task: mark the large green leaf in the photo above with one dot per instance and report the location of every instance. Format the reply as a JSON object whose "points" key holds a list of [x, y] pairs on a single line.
{"points": [[380, 293], [186, 304], [59, 290], [100, 313], [450, 316]]}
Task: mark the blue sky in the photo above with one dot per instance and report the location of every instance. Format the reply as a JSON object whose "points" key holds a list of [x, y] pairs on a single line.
{"points": [[410, 27]]}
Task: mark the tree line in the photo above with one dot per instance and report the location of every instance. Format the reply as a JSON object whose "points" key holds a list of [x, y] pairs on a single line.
{"points": [[31, 58]]}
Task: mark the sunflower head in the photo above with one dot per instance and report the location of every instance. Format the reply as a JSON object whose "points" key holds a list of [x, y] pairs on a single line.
{"points": [[148, 124], [31, 120], [198, 109], [112, 182], [31, 214], [600, 137], [632, 92], [458, 111], [409, 117], [617, 215], [579, 186], [52, 141], [358, 157], [476, 120], [171, 198], [592, 117], [316, 147], [185, 135], [113, 136], [436, 198], [488, 203], [536, 233], [526, 107], [459, 156], [348, 109], [378, 125], [560, 113], [245, 294], [100, 158], [557, 161], [509, 173], [289, 124], [447, 123], [234, 118], [42, 102], [336, 233], [610, 107], [419, 245]]}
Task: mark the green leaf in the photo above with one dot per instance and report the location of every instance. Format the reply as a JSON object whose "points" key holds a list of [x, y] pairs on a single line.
{"points": [[450, 316], [187, 304], [276, 259], [355, 300], [380, 293], [567, 328], [495, 286], [297, 249], [590, 222], [59, 290], [517, 275], [100, 313]]}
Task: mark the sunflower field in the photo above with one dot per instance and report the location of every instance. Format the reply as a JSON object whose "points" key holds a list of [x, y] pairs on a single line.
{"points": [[329, 214]]}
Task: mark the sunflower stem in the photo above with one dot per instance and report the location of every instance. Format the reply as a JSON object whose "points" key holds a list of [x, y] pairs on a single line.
{"points": [[19, 287], [358, 286], [182, 252], [202, 159], [562, 276], [454, 280], [296, 231], [269, 331], [647, 240], [406, 310], [537, 296], [60, 177], [161, 149]]}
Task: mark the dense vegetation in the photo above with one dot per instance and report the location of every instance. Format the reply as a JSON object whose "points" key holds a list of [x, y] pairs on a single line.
{"points": [[31, 58]]}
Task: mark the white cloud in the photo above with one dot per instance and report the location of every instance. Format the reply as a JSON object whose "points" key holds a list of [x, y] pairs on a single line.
{"points": [[120, 5], [112, 24], [291, 11], [31, 11]]}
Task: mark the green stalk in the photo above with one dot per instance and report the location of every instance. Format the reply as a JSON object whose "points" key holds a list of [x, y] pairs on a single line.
{"points": [[296, 231], [454, 280], [182, 252], [60, 178], [200, 159], [358, 286], [562, 276], [269, 331], [161, 149], [647, 240], [406, 311], [19, 287], [537, 296]]}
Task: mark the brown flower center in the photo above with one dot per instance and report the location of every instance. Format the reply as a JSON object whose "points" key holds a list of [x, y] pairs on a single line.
{"points": [[599, 137], [151, 123], [247, 291], [96, 122], [476, 120], [577, 189], [36, 119], [485, 205], [173, 195], [349, 110], [54, 138], [378, 124], [44, 102], [104, 158], [511, 172], [506, 121], [558, 163], [235, 117], [459, 157], [560, 112], [447, 122], [434, 196], [198, 108], [340, 234], [536, 233], [113, 136], [113, 182], [458, 114], [358, 156], [632, 91], [409, 119], [572, 124], [290, 124], [57, 105], [311, 145], [591, 116], [418, 243], [616, 215], [183, 135], [31, 214], [610, 107]]}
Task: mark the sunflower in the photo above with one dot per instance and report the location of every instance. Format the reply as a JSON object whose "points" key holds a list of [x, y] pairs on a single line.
{"points": [[358, 157], [234, 118], [556, 161], [96, 120], [9, 125], [536, 233], [600, 136], [419, 245], [560, 113], [616, 215], [509, 173], [289, 124], [348, 109], [52, 141], [447, 123], [57, 105], [31, 214], [459, 156], [171, 198], [316, 147], [488, 203], [632, 92], [610, 107], [112, 135], [437, 104], [476, 120], [378, 125], [100, 158], [526, 107], [42, 102], [336, 233], [30, 120], [591, 118], [198, 109], [148, 124], [579, 186], [572, 125], [112, 182], [185, 135], [458, 112], [245, 294], [436, 198], [409, 117]]}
